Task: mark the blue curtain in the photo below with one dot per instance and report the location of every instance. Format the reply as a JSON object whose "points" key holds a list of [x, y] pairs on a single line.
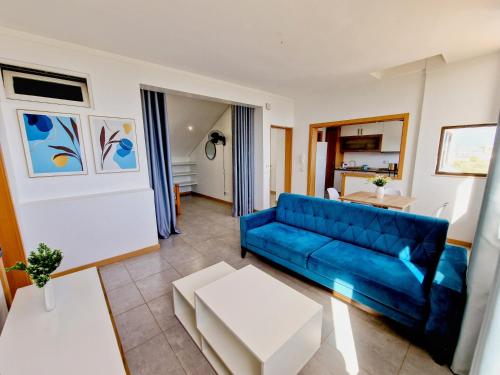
{"points": [[243, 154], [154, 113]]}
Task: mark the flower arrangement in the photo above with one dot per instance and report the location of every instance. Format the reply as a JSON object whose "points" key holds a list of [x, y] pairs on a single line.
{"points": [[41, 264], [379, 180]]}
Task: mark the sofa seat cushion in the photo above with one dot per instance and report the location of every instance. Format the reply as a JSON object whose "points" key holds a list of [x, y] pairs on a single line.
{"points": [[287, 242], [394, 282]]}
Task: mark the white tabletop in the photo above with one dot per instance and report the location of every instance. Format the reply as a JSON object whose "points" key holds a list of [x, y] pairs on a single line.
{"points": [[76, 338], [260, 310], [188, 284]]}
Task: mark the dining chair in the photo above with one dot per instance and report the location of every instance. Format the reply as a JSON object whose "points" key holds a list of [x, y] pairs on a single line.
{"points": [[440, 209], [333, 194]]}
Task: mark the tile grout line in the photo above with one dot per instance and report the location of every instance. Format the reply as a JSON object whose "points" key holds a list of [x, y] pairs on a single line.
{"points": [[162, 332], [144, 303], [145, 277], [404, 358], [142, 343], [143, 300]]}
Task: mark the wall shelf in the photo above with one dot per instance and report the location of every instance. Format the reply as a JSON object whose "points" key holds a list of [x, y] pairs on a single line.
{"points": [[184, 175]]}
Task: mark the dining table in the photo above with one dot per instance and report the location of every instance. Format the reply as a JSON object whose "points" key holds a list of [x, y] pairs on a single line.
{"points": [[398, 202]]}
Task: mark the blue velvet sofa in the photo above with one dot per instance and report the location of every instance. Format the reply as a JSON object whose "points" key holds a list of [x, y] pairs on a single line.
{"points": [[395, 262]]}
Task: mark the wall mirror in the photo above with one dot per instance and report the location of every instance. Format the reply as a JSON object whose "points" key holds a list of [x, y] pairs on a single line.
{"points": [[210, 150]]}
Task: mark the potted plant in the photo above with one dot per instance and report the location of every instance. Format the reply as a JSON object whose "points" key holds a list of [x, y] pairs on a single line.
{"points": [[41, 264], [379, 181]]}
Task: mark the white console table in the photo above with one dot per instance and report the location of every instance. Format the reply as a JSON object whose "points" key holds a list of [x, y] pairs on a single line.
{"points": [[76, 338]]}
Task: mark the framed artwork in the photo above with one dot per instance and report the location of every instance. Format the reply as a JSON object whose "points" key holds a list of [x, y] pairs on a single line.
{"points": [[114, 142], [52, 143]]}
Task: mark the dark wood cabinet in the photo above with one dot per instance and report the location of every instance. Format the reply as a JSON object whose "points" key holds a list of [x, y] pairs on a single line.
{"points": [[363, 143]]}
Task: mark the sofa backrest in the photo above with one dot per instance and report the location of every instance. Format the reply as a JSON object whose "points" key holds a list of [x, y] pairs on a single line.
{"points": [[419, 239]]}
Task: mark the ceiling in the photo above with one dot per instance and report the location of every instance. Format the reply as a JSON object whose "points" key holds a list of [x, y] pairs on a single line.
{"points": [[280, 46], [185, 112]]}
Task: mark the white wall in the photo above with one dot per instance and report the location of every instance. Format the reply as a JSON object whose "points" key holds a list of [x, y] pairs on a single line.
{"points": [[462, 93], [466, 92], [389, 96], [210, 177], [115, 82]]}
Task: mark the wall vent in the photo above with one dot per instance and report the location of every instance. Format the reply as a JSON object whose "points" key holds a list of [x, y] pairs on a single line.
{"points": [[43, 86]]}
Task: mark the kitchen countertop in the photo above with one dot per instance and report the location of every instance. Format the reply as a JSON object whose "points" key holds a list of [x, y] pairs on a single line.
{"points": [[369, 170]]}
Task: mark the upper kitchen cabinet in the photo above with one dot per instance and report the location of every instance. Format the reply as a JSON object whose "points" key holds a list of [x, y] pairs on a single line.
{"points": [[362, 129], [391, 136]]}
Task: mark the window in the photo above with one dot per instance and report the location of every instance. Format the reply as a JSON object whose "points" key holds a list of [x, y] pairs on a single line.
{"points": [[465, 150], [35, 85]]}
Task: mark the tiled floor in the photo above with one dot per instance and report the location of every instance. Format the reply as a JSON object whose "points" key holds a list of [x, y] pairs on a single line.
{"points": [[140, 295]]}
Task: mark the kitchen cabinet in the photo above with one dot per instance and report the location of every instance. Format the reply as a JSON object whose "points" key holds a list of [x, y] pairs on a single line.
{"points": [[361, 143], [362, 129], [349, 130], [372, 129], [391, 136]]}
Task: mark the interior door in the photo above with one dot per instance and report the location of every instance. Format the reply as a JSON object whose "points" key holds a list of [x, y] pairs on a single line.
{"points": [[281, 161], [10, 238], [331, 139]]}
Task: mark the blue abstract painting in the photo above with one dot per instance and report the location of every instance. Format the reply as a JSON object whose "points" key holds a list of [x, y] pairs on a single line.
{"points": [[52, 143], [114, 143]]}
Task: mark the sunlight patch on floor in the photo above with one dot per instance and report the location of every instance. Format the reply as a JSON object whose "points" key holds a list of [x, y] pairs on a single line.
{"points": [[344, 339]]}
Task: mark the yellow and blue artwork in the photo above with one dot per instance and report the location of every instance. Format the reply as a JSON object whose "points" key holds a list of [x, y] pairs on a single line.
{"points": [[114, 143], [52, 143]]}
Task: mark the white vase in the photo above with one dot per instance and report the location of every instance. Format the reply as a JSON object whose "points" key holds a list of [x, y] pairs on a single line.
{"points": [[48, 295], [380, 192]]}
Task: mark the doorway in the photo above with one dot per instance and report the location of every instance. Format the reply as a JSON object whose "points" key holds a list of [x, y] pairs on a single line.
{"points": [[280, 170], [201, 147], [355, 148], [11, 245]]}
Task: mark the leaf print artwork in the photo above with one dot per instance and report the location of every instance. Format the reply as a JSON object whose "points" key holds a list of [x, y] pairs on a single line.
{"points": [[106, 144], [68, 152], [114, 143], [52, 143]]}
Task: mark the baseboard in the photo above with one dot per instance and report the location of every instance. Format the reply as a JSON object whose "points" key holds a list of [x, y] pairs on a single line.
{"points": [[183, 193], [111, 260], [211, 198], [459, 242]]}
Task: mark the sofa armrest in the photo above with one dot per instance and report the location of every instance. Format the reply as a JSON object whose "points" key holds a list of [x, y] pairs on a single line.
{"points": [[255, 220], [446, 303]]}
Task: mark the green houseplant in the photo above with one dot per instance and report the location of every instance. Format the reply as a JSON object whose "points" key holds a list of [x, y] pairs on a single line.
{"points": [[380, 181], [41, 264]]}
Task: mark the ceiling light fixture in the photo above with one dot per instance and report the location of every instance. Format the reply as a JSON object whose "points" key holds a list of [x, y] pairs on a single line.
{"points": [[190, 128]]}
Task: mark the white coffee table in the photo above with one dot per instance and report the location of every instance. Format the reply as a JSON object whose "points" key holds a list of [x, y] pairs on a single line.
{"points": [[183, 294], [251, 323]]}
